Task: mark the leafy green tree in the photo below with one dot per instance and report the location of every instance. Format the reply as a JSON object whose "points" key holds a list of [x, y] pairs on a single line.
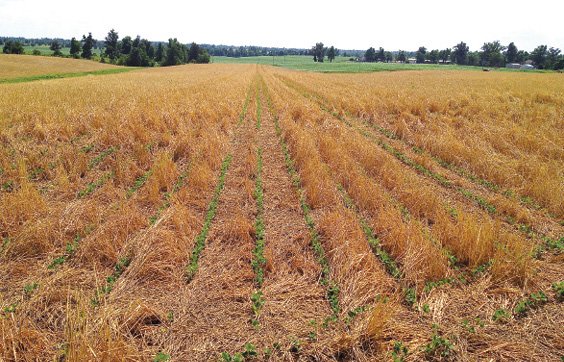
{"points": [[381, 55], [539, 56], [491, 54], [444, 55], [193, 53], [13, 47], [433, 56], [111, 44], [388, 57], [318, 52], [174, 53], [160, 52], [56, 48], [512, 53], [75, 47], [401, 57], [126, 45], [421, 55], [138, 58], [331, 53], [87, 45], [460, 53], [370, 55], [552, 58], [473, 58], [203, 57]]}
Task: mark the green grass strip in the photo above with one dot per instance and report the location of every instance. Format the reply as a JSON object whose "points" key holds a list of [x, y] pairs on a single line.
{"points": [[66, 75], [212, 210]]}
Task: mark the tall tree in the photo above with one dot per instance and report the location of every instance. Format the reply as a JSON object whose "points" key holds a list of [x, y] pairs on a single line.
{"points": [[331, 53], [318, 52], [174, 53], [539, 55], [381, 55], [401, 57], [75, 48], [370, 55], [87, 45], [13, 47], [193, 52], [444, 55], [112, 45], [388, 57], [552, 58], [512, 53], [421, 55], [460, 53], [56, 48], [126, 45], [491, 54], [433, 56], [160, 52]]}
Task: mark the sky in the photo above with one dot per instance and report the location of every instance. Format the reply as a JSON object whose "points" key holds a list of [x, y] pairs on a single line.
{"points": [[393, 25]]}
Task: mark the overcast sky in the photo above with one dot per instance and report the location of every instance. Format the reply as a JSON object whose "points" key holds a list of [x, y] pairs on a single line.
{"points": [[393, 25]]}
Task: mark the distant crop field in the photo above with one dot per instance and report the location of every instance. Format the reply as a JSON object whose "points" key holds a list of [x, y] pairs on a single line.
{"points": [[231, 212], [345, 65], [16, 66]]}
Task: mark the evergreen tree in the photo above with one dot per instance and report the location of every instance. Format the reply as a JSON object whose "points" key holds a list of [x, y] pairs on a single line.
{"points": [[74, 47], [112, 45], [87, 45]]}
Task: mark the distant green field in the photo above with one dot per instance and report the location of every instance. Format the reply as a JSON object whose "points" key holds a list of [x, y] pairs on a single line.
{"points": [[44, 49], [344, 65]]}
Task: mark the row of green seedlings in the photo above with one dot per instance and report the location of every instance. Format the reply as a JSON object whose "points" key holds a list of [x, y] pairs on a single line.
{"points": [[72, 246], [166, 203], [535, 300], [259, 260], [524, 200], [101, 156], [295, 346], [9, 186], [550, 244], [212, 210], [212, 207], [119, 269], [388, 262], [94, 185], [319, 252], [124, 262], [479, 200], [250, 350]]}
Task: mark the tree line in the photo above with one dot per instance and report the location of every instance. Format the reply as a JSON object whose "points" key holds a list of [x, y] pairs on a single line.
{"points": [[127, 51], [491, 54]]}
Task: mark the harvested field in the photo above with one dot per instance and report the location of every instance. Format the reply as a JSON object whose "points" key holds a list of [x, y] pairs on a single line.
{"points": [[224, 212]]}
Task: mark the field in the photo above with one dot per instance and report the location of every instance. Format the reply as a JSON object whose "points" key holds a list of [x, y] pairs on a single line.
{"points": [[231, 212], [344, 65], [18, 66]]}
